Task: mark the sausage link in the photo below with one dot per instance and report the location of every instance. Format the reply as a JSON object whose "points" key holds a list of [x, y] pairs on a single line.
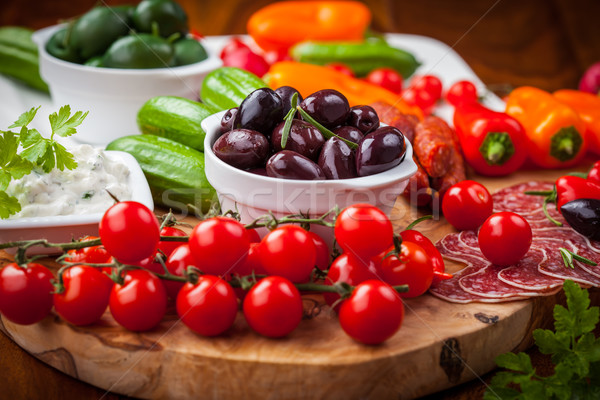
{"points": [[433, 146]]}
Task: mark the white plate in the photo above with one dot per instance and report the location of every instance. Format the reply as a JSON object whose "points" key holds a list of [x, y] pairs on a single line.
{"points": [[64, 228]]}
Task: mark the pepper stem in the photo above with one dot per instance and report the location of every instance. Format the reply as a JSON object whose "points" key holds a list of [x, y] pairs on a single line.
{"points": [[497, 148], [565, 144]]}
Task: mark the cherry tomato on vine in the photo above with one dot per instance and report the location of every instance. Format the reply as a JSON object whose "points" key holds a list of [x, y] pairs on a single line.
{"points": [[419, 98], [168, 247], [25, 293], [208, 307], [467, 204], [288, 251], [253, 235], [85, 296], [505, 238], [92, 254], [411, 267], [273, 307], [349, 269], [343, 68], [363, 230], [129, 231], [462, 92], [219, 245], [386, 78], [245, 58], [323, 256], [234, 44], [252, 263], [373, 313], [177, 263], [140, 302], [430, 84]]}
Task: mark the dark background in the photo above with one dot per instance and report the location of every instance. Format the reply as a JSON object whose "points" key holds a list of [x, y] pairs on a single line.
{"points": [[543, 43]]}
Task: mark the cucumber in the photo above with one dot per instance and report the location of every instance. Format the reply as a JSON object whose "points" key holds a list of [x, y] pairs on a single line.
{"points": [[19, 37], [174, 118], [19, 57], [175, 172], [227, 87]]}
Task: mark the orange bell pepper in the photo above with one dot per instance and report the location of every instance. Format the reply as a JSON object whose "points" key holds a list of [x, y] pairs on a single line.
{"points": [[309, 78], [279, 26], [555, 133], [587, 106]]}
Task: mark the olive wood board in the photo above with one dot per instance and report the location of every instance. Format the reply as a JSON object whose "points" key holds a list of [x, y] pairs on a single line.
{"points": [[440, 345]]}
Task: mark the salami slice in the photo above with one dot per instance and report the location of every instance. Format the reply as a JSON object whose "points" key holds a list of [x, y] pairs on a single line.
{"points": [[525, 274], [469, 239], [513, 198], [554, 265], [451, 247]]}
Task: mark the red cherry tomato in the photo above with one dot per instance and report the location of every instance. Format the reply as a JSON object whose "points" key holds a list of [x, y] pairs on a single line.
{"points": [[594, 172], [273, 307], [348, 269], [467, 204], [430, 84], [343, 68], [129, 231], [323, 256], [252, 263], [92, 254], [419, 98], [234, 44], [168, 247], [253, 235], [288, 251], [462, 92], [387, 78], [373, 313], [140, 302], [271, 57], [219, 245], [208, 307], [25, 293], [85, 297], [177, 263], [411, 267], [245, 58], [505, 238], [439, 268], [363, 230]]}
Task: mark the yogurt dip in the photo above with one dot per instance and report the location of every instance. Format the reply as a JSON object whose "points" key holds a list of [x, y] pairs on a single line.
{"points": [[83, 190]]}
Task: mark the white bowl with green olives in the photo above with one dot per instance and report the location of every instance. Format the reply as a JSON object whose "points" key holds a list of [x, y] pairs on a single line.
{"points": [[110, 61]]}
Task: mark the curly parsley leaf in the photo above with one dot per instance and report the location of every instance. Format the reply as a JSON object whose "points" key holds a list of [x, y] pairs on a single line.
{"points": [[574, 349]]}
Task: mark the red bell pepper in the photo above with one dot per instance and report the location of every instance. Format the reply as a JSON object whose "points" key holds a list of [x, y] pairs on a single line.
{"points": [[493, 143], [570, 188], [418, 238], [594, 173]]}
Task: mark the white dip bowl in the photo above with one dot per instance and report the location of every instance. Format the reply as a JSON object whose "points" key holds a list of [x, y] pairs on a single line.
{"points": [[113, 96]]}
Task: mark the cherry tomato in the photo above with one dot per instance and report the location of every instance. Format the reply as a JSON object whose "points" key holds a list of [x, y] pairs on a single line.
{"points": [[594, 172], [419, 98], [140, 302], [219, 245], [234, 44], [439, 268], [323, 256], [85, 297], [428, 83], [176, 264], [348, 269], [208, 307], [253, 235], [373, 313], [273, 56], [92, 254], [273, 307], [25, 293], [343, 68], [252, 263], [129, 231], [505, 238], [245, 58], [288, 251], [168, 247], [387, 78], [462, 92], [467, 204], [363, 230], [411, 267]]}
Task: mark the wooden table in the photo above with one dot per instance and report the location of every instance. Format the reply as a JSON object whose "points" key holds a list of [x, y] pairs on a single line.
{"points": [[543, 43]]}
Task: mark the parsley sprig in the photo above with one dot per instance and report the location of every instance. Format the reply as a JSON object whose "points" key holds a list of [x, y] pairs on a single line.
{"points": [[22, 151], [575, 353]]}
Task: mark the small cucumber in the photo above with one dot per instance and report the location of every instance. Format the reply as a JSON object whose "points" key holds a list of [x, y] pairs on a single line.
{"points": [[22, 65], [175, 172], [227, 87], [361, 57], [19, 37], [174, 118]]}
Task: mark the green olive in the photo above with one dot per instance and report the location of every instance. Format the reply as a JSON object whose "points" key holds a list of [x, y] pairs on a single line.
{"points": [[189, 51], [139, 51], [167, 14]]}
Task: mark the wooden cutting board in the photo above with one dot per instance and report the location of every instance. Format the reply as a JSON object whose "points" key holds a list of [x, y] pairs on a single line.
{"points": [[439, 345]]}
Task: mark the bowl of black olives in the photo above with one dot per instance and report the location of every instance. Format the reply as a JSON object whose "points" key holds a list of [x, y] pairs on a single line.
{"points": [[281, 153]]}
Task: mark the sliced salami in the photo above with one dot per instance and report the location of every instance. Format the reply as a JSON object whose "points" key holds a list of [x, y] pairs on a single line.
{"points": [[469, 239], [554, 264], [525, 274], [513, 198]]}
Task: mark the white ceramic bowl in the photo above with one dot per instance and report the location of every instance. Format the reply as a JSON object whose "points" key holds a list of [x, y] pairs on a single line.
{"points": [[255, 195], [64, 228], [114, 96]]}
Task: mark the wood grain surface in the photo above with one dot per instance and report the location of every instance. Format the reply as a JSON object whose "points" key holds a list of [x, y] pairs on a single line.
{"points": [[544, 43]]}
